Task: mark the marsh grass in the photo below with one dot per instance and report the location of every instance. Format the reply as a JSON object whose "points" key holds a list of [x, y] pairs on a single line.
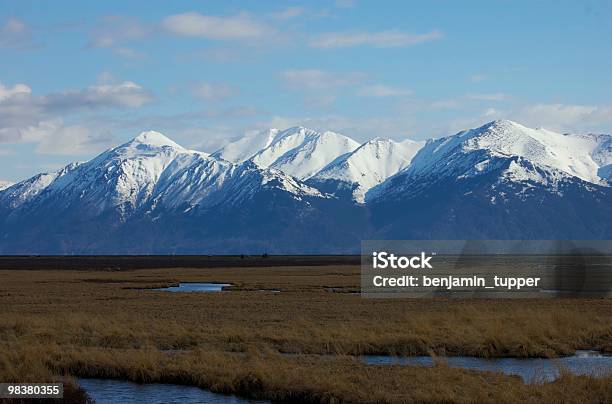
{"points": [[102, 324], [30, 364], [268, 375]]}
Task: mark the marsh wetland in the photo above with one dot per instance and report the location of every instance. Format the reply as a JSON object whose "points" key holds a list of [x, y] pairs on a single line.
{"points": [[303, 344]]}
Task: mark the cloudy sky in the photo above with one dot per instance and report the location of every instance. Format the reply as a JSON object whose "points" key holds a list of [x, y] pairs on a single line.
{"points": [[78, 77]]}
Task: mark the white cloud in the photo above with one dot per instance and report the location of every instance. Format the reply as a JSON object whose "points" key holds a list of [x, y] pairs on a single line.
{"points": [[6, 92], [25, 117], [193, 24], [15, 34], [557, 117], [117, 95], [379, 90], [383, 39], [212, 91], [315, 79], [56, 138], [565, 117]]}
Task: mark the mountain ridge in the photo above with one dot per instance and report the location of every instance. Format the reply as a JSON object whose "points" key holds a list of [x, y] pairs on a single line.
{"points": [[368, 165], [151, 195], [303, 152]]}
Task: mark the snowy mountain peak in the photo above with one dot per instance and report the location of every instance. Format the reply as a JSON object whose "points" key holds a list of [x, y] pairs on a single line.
{"points": [[245, 147], [530, 156], [154, 139], [504, 123], [303, 152], [24, 191], [149, 172], [577, 155], [297, 130], [122, 178], [377, 141], [369, 165], [499, 125]]}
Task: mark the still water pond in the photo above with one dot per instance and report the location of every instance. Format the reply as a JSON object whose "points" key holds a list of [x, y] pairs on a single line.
{"points": [[532, 370], [196, 287], [105, 391]]}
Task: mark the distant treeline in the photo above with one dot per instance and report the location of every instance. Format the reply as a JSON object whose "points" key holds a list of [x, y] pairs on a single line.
{"points": [[119, 263]]}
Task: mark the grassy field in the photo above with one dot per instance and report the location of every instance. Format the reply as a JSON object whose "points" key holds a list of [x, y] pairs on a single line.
{"points": [[105, 323]]}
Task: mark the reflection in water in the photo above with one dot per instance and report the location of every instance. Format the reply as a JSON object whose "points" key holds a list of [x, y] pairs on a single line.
{"points": [[105, 391], [532, 370], [196, 287]]}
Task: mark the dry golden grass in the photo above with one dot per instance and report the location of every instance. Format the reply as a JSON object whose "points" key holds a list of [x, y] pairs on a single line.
{"points": [[27, 364], [96, 324], [308, 379]]}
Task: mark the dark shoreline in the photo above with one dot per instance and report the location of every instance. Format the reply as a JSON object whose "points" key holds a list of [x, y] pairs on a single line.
{"points": [[120, 263]]}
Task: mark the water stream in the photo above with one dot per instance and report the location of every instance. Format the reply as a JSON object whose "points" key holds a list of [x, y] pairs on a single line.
{"points": [[532, 370], [196, 287], [107, 391]]}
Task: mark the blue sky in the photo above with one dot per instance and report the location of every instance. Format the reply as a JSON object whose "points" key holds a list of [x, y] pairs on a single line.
{"points": [[78, 77]]}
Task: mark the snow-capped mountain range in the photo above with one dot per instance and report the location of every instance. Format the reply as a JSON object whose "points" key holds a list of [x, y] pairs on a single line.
{"points": [[538, 156], [304, 191]]}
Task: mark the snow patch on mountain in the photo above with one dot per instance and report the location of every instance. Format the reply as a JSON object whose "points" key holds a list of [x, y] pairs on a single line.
{"points": [[530, 175], [602, 155], [303, 152], [189, 179], [5, 184], [248, 179]]}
